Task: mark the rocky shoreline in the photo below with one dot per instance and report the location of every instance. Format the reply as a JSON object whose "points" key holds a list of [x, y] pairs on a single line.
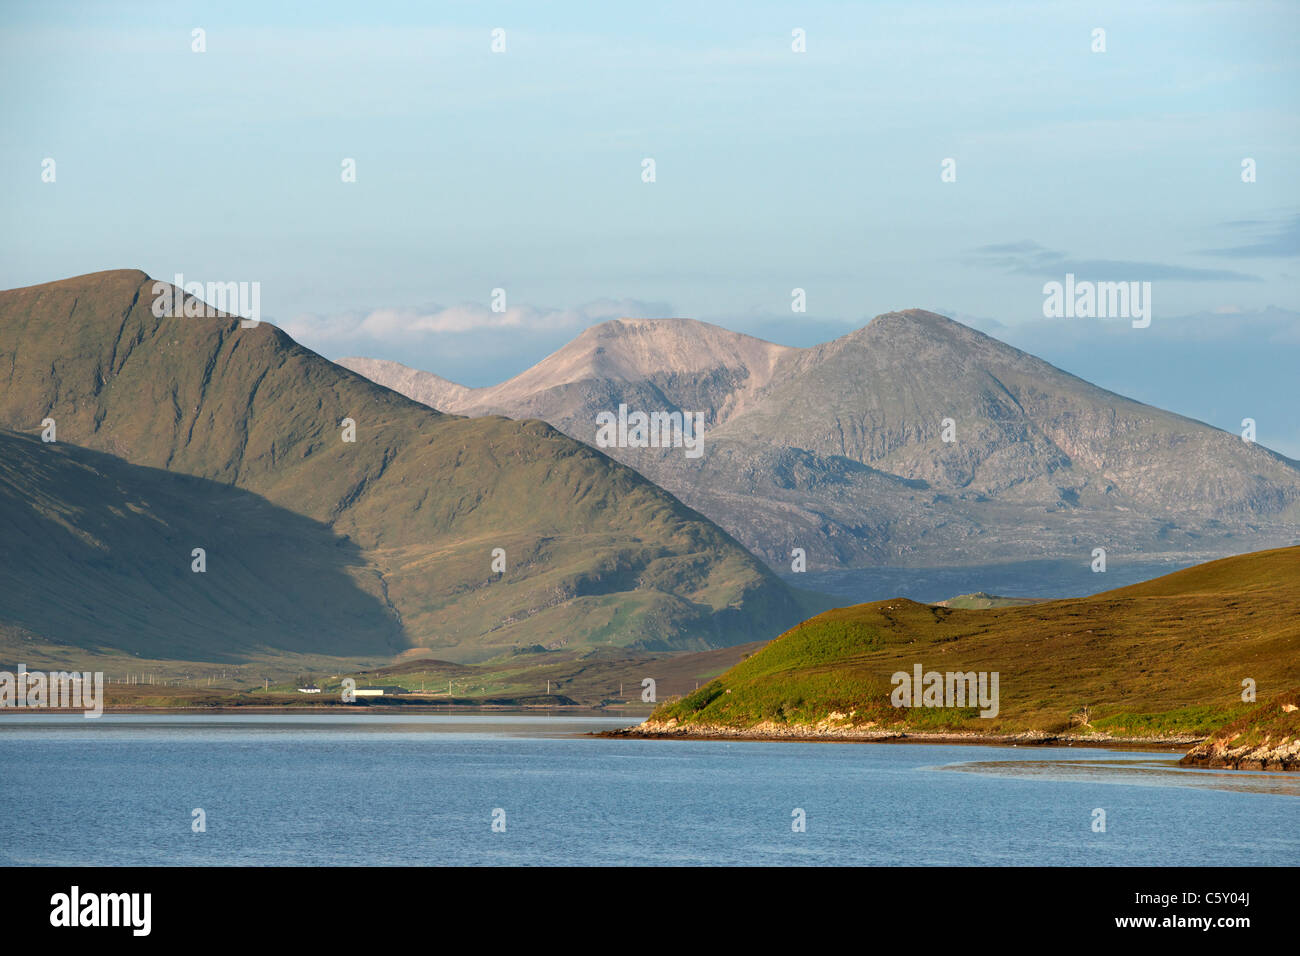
{"points": [[1215, 756], [831, 731], [1267, 740]]}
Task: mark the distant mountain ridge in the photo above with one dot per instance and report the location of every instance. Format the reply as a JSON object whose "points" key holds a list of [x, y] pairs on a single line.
{"points": [[594, 553], [839, 449], [678, 362]]}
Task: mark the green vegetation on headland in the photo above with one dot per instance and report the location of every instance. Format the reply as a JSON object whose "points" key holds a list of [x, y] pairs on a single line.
{"points": [[1162, 660], [1265, 738]]}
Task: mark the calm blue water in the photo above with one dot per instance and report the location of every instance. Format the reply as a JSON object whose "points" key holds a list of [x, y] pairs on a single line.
{"points": [[363, 788]]}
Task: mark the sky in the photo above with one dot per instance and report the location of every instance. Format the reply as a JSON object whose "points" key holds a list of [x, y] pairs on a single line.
{"points": [[821, 170]]}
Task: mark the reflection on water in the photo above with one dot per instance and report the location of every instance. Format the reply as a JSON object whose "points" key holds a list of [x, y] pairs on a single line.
{"points": [[1145, 772]]}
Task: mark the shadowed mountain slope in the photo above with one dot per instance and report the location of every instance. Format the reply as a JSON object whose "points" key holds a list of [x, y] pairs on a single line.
{"points": [[98, 554]]}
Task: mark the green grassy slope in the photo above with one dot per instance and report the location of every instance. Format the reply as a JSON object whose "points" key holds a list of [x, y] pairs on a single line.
{"points": [[595, 553], [1166, 656]]}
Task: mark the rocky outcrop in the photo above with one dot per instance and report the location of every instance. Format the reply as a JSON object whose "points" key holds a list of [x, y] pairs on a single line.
{"points": [[1268, 738]]}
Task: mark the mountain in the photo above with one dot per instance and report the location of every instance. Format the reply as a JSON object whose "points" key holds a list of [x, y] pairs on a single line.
{"points": [[1167, 657], [839, 449], [678, 363], [415, 506]]}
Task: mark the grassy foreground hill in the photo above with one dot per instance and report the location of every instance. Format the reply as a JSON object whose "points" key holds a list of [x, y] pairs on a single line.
{"points": [[1165, 658], [594, 553]]}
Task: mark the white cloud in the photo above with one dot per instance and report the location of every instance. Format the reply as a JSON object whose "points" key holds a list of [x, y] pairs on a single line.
{"points": [[398, 326]]}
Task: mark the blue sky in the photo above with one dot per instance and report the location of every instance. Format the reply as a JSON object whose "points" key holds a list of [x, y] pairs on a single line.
{"points": [[774, 170]]}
